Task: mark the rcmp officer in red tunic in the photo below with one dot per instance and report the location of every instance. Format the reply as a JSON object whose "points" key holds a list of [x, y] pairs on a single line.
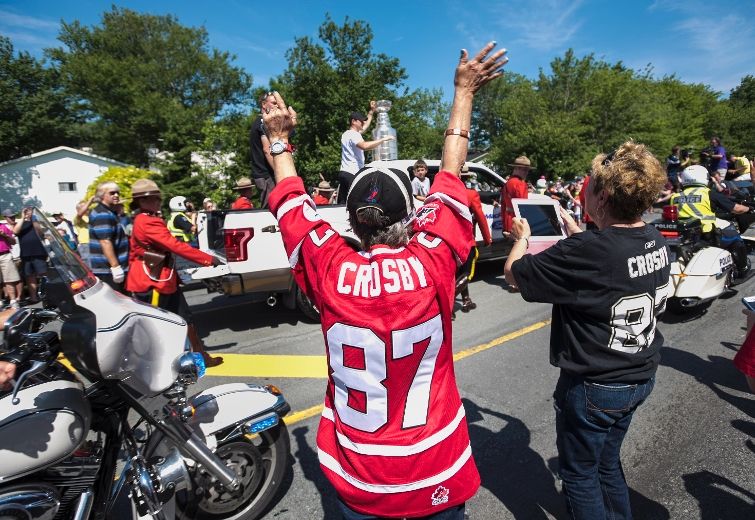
{"points": [[515, 188], [161, 289], [244, 186]]}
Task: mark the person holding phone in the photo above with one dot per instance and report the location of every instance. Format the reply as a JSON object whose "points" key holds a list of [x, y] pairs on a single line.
{"points": [[608, 288], [33, 254]]}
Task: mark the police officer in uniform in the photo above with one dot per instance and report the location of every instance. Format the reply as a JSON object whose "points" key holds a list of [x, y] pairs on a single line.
{"points": [[179, 223], [699, 201], [161, 289]]}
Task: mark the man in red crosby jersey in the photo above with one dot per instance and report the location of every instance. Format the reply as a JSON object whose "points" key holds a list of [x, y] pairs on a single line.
{"points": [[393, 436]]}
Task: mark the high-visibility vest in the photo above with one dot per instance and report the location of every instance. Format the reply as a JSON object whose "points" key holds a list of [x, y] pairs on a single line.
{"points": [[180, 234], [694, 201]]}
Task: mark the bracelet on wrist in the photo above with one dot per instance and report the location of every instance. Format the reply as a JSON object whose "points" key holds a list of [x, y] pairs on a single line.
{"points": [[457, 131], [526, 240]]}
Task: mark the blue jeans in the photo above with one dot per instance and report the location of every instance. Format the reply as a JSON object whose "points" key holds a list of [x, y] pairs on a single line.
{"points": [[452, 513], [591, 422]]}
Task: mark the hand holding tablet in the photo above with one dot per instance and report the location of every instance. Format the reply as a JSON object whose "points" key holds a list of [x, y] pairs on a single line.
{"points": [[544, 219]]}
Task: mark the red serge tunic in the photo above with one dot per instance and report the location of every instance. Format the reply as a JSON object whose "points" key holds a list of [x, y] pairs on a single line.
{"points": [[151, 231], [242, 203], [393, 436], [475, 204], [515, 188]]}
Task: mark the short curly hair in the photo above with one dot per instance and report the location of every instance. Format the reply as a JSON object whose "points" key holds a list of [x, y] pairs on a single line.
{"points": [[632, 178]]}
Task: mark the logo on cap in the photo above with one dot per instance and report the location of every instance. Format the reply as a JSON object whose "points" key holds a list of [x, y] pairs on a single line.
{"points": [[372, 198]]}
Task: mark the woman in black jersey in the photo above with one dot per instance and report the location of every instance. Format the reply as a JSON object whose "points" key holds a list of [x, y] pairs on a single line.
{"points": [[607, 287]]}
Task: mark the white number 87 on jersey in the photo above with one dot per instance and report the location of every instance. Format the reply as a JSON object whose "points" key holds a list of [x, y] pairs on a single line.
{"points": [[369, 379]]}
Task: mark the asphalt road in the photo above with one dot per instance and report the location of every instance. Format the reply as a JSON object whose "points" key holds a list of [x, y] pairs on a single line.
{"points": [[689, 453]]}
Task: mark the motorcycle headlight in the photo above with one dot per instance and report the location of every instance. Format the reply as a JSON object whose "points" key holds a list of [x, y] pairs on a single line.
{"points": [[190, 367]]}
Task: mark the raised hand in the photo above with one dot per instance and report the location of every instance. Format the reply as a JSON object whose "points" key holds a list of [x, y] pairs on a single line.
{"points": [[473, 74], [279, 120]]}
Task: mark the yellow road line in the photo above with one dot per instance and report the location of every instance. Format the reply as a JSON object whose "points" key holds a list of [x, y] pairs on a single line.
{"points": [[502, 339], [254, 365], [302, 415], [279, 366]]}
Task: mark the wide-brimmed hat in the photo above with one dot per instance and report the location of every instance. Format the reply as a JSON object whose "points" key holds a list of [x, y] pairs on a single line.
{"points": [[243, 183], [388, 190], [522, 161], [325, 186], [144, 188]]}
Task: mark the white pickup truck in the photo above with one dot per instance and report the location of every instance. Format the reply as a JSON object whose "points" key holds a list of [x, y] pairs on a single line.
{"points": [[252, 246]]}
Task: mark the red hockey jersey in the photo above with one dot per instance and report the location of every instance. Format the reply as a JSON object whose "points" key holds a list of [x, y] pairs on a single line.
{"points": [[393, 436]]}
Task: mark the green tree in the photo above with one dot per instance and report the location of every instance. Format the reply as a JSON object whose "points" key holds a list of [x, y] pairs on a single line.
{"points": [[123, 176], [742, 130], [35, 113], [326, 79], [147, 81]]}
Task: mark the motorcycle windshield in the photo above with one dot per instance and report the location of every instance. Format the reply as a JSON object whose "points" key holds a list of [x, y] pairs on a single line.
{"points": [[66, 264]]}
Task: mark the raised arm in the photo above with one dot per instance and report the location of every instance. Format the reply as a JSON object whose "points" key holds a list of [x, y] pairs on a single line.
{"points": [[470, 76], [370, 113]]}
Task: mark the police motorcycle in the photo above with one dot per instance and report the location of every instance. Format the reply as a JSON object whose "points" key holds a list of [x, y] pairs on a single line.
{"points": [[130, 443], [700, 273]]}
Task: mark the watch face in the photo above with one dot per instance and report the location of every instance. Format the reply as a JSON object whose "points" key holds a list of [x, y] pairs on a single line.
{"points": [[277, 147]]}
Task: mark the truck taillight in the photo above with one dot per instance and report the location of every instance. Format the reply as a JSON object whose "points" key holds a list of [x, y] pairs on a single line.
{"points": [[671, 213], [236, 241]]}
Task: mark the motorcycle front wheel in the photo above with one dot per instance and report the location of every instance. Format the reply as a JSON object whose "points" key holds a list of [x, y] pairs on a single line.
{"points": [[260, 462]]}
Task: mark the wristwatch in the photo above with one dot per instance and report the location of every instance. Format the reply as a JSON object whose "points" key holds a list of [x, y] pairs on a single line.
{"points": [[278, 147]]}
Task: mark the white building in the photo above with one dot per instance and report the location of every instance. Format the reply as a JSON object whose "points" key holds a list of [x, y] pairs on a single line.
{"points": [[53, 180]]}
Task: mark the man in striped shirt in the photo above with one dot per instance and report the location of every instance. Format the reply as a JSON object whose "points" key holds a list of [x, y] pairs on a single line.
{"points": [[393, 438], [108, 246]]}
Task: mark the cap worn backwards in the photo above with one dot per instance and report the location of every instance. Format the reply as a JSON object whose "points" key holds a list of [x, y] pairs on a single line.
{"points": [[387, 190], [359, 116]]}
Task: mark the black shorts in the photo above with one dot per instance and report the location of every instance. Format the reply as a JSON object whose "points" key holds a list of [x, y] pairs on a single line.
{"points": [[175, 303], [35, 266]]}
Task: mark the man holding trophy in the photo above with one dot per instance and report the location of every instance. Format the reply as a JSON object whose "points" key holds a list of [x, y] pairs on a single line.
{"points": [[353, 147]]}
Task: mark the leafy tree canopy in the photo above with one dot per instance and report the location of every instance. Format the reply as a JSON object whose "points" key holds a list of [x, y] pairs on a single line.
{"points": [[35, 112], [146, 81]]}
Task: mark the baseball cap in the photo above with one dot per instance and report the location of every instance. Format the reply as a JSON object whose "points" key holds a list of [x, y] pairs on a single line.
{"points": [[9, 213], [388, 190], [358, 115]]}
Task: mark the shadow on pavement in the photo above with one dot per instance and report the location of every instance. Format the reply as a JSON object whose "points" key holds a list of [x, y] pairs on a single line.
{"points": [[645, 508], [241, 315], [510, 469], [310, 466], [719, 497], [716, 373]]}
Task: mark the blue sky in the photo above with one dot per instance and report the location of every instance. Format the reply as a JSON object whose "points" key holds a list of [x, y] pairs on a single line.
{"points": [[699, 41]]}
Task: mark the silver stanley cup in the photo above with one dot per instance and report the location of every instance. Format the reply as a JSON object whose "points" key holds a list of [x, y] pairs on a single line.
{"points": [[387, 151]]}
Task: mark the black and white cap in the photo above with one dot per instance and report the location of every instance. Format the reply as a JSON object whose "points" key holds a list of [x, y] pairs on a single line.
{"points": [[388, 190]]}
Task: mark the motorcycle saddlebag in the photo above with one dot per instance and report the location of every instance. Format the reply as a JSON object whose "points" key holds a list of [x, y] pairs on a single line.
{"points": [[48, 423]]}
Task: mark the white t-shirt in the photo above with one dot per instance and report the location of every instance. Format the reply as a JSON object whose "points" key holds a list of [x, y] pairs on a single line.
{"points": [[352, 157], [420, 187]]}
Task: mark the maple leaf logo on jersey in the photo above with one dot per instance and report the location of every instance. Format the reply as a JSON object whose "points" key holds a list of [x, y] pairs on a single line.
{"points": [[427, 214], [440, 496]]}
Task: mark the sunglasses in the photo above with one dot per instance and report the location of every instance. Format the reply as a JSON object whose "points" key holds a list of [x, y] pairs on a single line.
{"points": [[114, 193], [608, 158]]}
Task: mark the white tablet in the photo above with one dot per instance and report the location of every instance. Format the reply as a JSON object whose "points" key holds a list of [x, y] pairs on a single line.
{"points": [[545, 222]]}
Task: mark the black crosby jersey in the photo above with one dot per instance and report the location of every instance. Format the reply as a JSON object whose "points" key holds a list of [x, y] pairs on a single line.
{"points": [[608, 288]]}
